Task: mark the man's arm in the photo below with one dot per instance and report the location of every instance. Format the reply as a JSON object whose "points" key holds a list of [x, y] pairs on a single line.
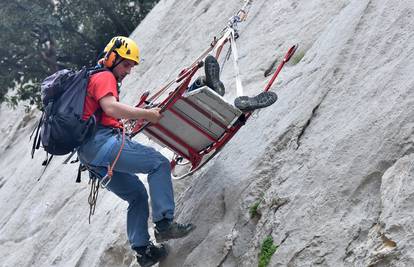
{"points": [[122, 111]]}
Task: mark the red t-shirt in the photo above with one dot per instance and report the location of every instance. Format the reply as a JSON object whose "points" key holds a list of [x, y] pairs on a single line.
{"points": [[101, 84]]}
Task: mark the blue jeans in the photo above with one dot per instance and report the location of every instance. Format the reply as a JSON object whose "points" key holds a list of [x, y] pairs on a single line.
{"points": [[101, 150]]}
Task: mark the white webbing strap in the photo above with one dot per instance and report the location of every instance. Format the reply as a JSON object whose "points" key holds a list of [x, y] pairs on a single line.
{"points": [[239, 86]]}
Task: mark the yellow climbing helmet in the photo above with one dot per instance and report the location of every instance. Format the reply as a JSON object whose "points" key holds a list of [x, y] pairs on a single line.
{"points": [[123, 46]]}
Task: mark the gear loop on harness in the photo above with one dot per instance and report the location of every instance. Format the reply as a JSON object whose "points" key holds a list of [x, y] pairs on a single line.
{"points": [[94, 182]]}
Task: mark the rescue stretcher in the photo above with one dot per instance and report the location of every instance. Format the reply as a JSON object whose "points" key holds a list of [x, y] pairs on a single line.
{"points": [[195, 125]]}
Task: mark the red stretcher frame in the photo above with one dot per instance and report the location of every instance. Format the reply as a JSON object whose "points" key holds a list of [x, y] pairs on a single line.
{"points": [[194, 157]]}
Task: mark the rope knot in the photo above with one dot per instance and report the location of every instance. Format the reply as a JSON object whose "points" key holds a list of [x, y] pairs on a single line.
{"points": [[110, 172]]}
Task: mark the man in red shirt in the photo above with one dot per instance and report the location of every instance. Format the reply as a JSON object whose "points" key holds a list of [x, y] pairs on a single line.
{"points": [[99, 151]]}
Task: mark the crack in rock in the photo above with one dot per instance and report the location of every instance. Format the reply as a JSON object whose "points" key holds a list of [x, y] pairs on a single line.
{"points": [[309, 120]]}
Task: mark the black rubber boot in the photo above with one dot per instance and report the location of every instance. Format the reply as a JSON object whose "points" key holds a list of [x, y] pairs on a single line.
{"points": [[212, 70], [262, 100], [166, 230], [151, 254]]}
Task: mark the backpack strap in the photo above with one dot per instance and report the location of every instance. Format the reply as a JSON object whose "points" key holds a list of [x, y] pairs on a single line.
{"points": [[36, 140], [78, 178], [45, 163], [98, 68], [69, 157]]}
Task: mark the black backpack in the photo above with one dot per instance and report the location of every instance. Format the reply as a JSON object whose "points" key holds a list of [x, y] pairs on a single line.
{"points": [[61, 128]]}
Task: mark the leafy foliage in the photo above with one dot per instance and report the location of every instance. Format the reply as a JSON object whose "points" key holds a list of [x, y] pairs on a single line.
{"points": [[267, 251], [253, 210], [40, 37]]}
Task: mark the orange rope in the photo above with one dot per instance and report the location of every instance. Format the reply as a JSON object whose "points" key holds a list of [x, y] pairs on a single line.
{"points": [[111, 167]]}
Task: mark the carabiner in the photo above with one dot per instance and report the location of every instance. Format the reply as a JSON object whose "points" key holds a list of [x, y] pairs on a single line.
{"points": [[105, 181]]}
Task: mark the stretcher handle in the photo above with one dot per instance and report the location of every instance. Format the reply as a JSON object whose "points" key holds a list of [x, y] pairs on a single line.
{"points": [[287, 57]]}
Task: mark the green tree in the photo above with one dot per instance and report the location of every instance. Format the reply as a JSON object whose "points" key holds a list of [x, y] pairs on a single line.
{"points": [[41, 36]]}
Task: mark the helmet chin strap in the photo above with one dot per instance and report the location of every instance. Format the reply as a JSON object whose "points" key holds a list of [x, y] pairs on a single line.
{"points": [[112, 70], [117, 63]]}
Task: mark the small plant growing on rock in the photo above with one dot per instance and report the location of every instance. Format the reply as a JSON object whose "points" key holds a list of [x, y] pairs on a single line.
{"points": [[253, 211], [267, 251]]}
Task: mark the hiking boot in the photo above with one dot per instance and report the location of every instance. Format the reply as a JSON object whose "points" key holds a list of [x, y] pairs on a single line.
{"points": [[262, 100], [166, 230], [150, 254], [212, 70]]}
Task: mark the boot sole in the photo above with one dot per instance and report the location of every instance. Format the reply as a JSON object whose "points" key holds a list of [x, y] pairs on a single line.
{"points": [[160, 240], [262, 100]]}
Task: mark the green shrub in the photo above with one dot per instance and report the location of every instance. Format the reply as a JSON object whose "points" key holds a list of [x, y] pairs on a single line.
{"points": [[253, 209], [266, 252]]}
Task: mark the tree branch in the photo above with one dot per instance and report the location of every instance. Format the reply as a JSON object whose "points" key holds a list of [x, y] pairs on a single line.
{"points": [[114, 18]]}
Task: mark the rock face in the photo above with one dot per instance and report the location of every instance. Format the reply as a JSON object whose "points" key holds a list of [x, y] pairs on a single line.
{"points": [[329, 167]]}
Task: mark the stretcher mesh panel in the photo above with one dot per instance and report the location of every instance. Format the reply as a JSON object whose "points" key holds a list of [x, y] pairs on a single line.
{"points": [[203, 109]]}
